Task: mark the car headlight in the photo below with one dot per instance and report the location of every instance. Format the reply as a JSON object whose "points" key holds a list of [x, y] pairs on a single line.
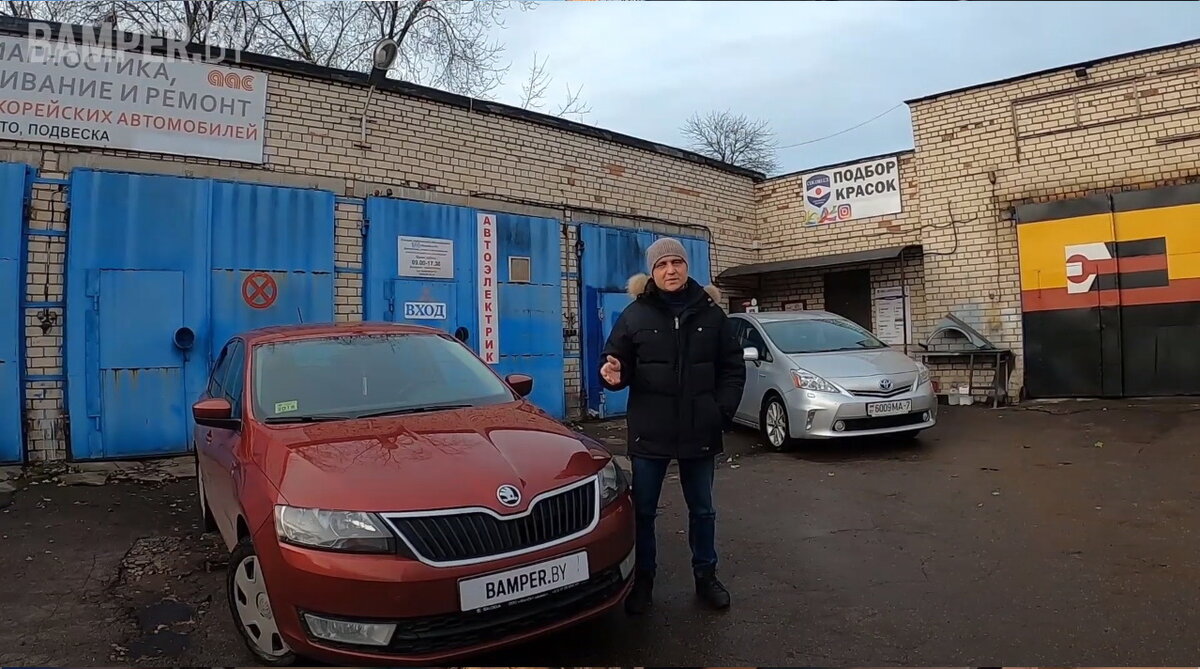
{"points": [[345, 531], [612, 483], [922, 374], [806, 380]]}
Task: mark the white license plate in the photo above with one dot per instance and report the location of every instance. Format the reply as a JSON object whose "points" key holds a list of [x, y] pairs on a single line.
{"points": [[529, 581], [878, 409]]}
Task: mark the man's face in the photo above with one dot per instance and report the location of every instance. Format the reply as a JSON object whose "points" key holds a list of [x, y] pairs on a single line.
{"points": [[670, 273]]}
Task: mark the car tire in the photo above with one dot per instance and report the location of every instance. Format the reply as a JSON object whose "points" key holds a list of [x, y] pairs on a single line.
{"points": [[251, 609], [208, 523], [773, 424]]}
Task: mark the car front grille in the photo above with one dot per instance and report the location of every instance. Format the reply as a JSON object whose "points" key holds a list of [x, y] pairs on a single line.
{"points": [[882, 393], [883, 422], [474, 535], [420, 636]]}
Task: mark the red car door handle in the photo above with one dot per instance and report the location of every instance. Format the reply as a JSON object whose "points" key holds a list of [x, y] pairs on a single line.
{"points": [[208, 437]]}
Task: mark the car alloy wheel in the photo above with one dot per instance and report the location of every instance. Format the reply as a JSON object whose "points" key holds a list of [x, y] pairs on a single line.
{"points": [[251, 608], [775, 424]]}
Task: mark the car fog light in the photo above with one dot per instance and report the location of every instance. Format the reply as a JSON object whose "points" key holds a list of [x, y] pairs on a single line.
{"points": [[344, 631], [812, 413], [839, 426], [925, 417], [627, 566]]}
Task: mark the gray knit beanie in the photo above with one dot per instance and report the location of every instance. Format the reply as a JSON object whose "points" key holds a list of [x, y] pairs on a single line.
{"points": [[662, 248]]}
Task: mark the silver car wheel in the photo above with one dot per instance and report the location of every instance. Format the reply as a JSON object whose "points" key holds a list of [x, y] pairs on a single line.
{"points": [[254, 609], [776, 424]]}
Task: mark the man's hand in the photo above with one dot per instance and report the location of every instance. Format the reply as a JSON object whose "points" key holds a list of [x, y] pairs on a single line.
{"points": [[611, 371]]}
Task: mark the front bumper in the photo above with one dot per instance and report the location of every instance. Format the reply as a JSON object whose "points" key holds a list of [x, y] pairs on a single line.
{"points": [[423, 601], [814, 415]]}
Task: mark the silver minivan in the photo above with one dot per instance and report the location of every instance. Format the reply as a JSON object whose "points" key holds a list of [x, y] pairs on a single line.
{"points": [[817, 375]]}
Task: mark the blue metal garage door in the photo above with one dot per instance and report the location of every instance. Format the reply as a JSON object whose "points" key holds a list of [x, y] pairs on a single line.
{"points": [[422, 268], [151, 255], [610, 257], [14, 185]]}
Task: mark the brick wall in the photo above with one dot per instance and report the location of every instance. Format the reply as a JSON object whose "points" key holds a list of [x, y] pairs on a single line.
{"points": [[426, 149], [1050, 137]]}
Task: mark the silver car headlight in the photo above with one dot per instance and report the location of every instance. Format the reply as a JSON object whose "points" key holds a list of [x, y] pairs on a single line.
{"points": [[344, 531], [922, 374], [612, 483], [806, 380]]}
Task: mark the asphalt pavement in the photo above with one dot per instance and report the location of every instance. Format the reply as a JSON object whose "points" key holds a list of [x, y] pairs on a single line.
{"points": [[1046, 535]]}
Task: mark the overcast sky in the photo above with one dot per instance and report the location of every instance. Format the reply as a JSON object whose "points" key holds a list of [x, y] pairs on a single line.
{"points": [[812, 69]]}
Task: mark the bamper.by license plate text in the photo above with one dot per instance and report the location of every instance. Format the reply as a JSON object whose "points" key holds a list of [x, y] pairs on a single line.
{"points": [[523, 582]]}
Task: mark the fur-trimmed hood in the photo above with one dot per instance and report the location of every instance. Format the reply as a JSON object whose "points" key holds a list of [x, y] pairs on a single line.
{"points": [[638, 283]]}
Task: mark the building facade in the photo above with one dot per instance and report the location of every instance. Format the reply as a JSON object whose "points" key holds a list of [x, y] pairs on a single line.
{"points": [[1050, 217]]}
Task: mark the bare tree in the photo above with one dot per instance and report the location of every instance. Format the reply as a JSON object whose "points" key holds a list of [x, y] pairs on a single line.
{"points": [[533, 92], [733, 139]]}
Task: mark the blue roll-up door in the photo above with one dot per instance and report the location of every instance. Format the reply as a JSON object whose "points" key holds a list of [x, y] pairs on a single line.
{"points": [[14, 187], [422, 268], [610, 257], [148, 255]]}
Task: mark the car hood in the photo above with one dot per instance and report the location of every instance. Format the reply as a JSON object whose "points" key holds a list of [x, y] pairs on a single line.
{"points": [[856, 364], [426, 461]]}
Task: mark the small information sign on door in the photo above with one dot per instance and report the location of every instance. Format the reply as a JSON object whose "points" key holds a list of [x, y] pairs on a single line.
{"points": [[425, 311], [426, 257]]}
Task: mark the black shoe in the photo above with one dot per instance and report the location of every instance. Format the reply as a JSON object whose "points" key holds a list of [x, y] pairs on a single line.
{"points": [[711, 591], [640, 597]]}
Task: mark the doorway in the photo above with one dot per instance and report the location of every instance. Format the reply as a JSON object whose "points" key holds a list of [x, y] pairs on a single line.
{"points": [[848, 294]]}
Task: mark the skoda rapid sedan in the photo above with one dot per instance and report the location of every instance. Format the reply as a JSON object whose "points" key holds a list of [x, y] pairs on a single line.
{"points": [[817, 375], [388, 499]]}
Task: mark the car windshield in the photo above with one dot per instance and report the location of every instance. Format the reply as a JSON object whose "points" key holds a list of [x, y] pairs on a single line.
{"points": [[357, 376], [820, 335]]}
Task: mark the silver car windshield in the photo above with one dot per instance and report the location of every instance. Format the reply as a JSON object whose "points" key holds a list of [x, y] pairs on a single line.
{"points": [[820, 335]]}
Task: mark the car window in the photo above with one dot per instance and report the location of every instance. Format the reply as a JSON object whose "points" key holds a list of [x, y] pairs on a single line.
{"points": [[753, 338], [217, 377], [235, 377], [349, 376], [821, 335]]}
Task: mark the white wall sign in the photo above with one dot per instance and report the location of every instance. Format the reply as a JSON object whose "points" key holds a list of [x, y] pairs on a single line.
{"points": [[88, 95], [425, 311], [893, 316], [489, 316], [848, 193], [426, 257]]}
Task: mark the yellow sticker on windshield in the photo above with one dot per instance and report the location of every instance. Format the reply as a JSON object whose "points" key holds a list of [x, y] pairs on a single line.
{"points": [[285, 407]]}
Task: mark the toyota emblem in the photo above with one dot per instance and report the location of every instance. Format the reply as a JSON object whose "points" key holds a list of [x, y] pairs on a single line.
{"points": [[885, 384], [508, 495]]}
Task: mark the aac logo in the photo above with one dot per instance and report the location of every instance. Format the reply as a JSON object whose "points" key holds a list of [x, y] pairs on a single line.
{"points": [[231, 80], [508, 495]]}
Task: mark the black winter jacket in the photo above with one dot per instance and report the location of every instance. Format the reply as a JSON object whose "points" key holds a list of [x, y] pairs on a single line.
{"points": [[685, 376]]}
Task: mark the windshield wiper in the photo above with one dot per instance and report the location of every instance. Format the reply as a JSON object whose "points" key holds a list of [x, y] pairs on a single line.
{"points": [[318, 418], [407, 410]]}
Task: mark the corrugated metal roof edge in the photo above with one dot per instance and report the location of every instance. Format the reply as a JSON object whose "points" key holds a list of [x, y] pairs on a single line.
{"points": [[832, 260], [1059, 68], [15, 26]]}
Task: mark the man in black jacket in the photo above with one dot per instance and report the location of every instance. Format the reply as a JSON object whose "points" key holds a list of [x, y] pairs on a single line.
{"points": [[673, 347]]}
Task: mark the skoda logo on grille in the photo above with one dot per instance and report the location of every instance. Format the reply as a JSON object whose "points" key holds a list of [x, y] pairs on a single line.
{"points": [[508, 495], [885, 384]]}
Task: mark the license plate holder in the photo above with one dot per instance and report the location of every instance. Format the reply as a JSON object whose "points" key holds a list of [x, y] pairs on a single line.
{"points": [[892, 408], [491, 590]]}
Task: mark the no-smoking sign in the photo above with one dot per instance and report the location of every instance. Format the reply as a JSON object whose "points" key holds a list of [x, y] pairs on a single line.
{"points": [[259, 290]]}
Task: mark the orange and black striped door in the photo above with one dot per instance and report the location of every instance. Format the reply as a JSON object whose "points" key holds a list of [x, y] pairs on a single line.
{"points": [[1110, 291]]}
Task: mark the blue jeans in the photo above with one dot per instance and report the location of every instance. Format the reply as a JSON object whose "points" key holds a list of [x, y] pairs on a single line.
{"points": [[696, 479]]}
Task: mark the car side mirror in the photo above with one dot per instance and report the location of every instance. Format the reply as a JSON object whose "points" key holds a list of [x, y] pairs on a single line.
{"points": [[750, 354], [522, 384], [215, 412]]}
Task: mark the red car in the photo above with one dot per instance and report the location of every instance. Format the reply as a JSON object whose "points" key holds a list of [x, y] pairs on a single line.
{"points": [[387, 498]]}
